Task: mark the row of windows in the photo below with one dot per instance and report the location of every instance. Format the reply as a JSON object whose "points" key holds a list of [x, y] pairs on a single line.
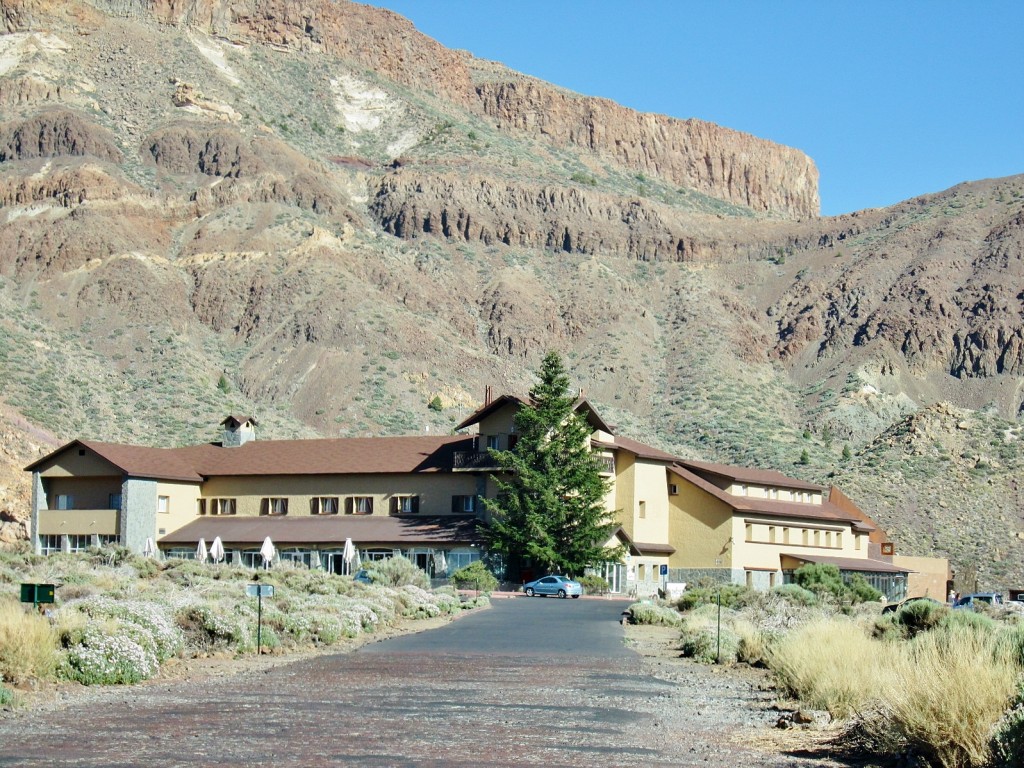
{"points": [[774, 494], [74, 542], [808, 537], [67, 501], [332, 560], [333, 505]]}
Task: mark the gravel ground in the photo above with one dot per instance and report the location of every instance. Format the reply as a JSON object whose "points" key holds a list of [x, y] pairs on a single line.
{"points": [[396, 704]]}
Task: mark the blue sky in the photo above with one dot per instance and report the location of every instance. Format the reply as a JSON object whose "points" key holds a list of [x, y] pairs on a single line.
{"points": [[890, 99]]}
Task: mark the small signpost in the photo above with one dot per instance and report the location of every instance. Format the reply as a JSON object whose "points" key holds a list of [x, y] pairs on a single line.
{"points": [[37, 594], [259, 591]]}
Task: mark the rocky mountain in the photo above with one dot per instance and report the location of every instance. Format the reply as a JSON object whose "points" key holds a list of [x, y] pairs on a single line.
{"points": [[313, 212]]}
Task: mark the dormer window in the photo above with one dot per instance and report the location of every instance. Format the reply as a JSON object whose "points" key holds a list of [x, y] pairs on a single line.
{"points": [[493, 442]]}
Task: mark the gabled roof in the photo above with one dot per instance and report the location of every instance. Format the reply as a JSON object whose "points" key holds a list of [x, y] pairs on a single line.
{"points": [[592, 416], [747, 475], [133, 460], [404, 530], [639, 449], [790, 509], [238, 419], [355, 455]]}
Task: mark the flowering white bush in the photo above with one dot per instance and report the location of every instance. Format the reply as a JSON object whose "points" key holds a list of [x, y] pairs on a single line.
{"points": [[160, 631], [109, 659]]}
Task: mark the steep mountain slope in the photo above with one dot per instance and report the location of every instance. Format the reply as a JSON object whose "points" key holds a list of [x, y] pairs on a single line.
{"points": [[313, 212]]}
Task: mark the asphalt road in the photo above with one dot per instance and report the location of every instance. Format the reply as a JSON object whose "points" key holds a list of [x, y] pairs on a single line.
{"points": [[530, 682]]}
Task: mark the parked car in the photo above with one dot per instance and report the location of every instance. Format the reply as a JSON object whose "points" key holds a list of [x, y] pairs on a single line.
{"points": [[972, 602], [562, 586], [363, 576], [893, 607]]}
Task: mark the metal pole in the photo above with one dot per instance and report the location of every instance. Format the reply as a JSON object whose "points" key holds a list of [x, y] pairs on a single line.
{"points": [[718, 653], [259, 621]]}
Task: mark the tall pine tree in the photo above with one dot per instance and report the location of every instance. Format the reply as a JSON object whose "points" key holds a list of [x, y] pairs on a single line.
{"points": [[549, 512]]}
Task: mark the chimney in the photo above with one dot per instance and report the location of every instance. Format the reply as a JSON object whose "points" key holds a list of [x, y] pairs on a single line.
{"points": [[238, 430], [488, 395]]}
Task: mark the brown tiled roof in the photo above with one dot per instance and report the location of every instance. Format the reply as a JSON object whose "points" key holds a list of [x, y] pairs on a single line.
{"points": [[349, 455], [864, 565], [355, 455], [654, 549], [239, 419], [592, 416], [640, 449], [748, 475], [364, 530], [134, 460], [791, 509]]}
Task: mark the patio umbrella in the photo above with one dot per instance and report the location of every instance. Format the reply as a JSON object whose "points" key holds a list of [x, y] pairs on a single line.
{"points": [[348, 554], [217, 550], [440, 564], [357, 561], [149, 548], [201, 554], [314, 560], [268, 552]]}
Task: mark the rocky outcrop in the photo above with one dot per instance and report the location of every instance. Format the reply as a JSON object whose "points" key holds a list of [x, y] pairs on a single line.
{"points": [[715, 161], [55, 133], [482, 209]]}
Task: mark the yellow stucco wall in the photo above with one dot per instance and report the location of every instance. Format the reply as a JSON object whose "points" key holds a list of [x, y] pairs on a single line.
{"points": [[625, 490], [501, 423], [435, 490], [650, 498], [754, 548], [699, 528], [78, 521], [182, 507]]}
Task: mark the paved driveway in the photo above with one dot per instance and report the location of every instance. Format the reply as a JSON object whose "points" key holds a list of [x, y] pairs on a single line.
{"points": [[535, 681]]}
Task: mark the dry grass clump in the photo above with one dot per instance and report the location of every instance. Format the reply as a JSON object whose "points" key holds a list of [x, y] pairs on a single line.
{"points": [[943, 693], [27, 644], [829, 664]]}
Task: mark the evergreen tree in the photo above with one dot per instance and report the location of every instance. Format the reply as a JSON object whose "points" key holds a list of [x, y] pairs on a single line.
{"points": [[549, 512]]}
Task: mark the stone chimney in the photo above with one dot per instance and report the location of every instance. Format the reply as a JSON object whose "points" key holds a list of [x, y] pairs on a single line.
{"points": [[488, 394], [238, 430]]}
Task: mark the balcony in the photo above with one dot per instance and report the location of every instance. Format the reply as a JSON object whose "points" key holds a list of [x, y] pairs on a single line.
{"points": [[79, 521], [473, 460]]}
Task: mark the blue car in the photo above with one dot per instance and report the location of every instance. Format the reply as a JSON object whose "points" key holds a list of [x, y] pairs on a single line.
{"points": [[562, 586], [363, 576]]}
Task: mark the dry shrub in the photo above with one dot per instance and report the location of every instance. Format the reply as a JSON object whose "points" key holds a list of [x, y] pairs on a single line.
{"points": [[28, 646], [944, 692], [831, 665]]}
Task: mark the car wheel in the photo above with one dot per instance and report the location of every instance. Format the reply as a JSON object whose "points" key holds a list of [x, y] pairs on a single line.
{"points": [[561, 593], [575, 597], [529, 591]]}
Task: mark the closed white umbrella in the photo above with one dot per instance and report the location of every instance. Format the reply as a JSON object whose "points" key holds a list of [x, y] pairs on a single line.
{"points": [[149, 548], [348, 554], [440, 564], [201, 553], [357, 561], [217, 550], [268, 552], [314, 560]]}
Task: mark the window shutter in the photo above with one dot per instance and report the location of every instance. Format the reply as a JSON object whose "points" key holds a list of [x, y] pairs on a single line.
{"points": [[264, 506], [415, 505], [394, 505], [456, 504], [369, 505], [314, 506], [202, 506], [348, 505]]}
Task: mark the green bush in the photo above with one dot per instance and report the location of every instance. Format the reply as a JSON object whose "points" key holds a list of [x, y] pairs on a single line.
{"points": [[1012, 640], [860, 591], [398, 572], [7, 696], [820, 578], [978, 622], [594, 585], [733, 596], [920, 616], [1007, 743], [699, 641], [474, 576], [653, 613], [795, 594], [109, 656]]}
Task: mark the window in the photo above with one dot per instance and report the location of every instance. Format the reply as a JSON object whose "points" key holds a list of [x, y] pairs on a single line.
{"points": [[771, 579], [405, 505], [741, 489], [378, 554], [750, 532], [673, 489], [114, 501], [163, 504], [771, 534], [458, 560], [50, 543], [64, 501], [221, 506], [512, 440], [492, 442], [817, 538], [785, 535], [463, 505], [79, 542], [323, 505], [274, 505], [200, 506], [108, 539], [828, 538], [750, 579], [773, 493], [641, 572], [839, 539], [803, 537], [642, 510], [856, 542], [359, 505]]}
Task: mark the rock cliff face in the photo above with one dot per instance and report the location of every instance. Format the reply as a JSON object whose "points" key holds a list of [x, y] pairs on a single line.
{"points": [[716, 161]]}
